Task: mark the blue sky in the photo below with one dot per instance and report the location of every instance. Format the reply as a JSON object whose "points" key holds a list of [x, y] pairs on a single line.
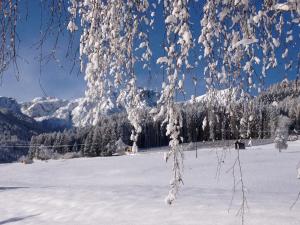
{"points": [[55, 79]]}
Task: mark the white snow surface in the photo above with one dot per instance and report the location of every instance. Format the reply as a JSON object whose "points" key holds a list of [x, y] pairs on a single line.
{"points": [[130, 190]]}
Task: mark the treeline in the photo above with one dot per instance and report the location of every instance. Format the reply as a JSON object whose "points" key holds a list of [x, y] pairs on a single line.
{"points": [[202, 121], [99, 140], [11, 147]]}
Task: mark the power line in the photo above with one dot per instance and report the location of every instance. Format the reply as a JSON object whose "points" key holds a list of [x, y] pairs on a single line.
{"points": [[46, 146], [92, 144]]}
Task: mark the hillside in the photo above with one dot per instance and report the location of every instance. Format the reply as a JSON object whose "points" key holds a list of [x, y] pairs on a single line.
{"points": [[15, 129]]}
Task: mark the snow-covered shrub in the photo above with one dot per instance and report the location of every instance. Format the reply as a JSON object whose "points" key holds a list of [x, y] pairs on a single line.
{"points": [[108, 150], [120, 147], [282, 132], [25, 160], [190, 146], [71, 155], [293, 138], [45, 153], [280, 142]]}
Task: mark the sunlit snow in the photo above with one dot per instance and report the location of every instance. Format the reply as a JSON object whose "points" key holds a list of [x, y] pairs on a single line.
{"points": [[130, 190]]}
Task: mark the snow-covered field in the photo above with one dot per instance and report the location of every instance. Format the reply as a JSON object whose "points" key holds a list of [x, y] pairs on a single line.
{"points": [[130, 190]]}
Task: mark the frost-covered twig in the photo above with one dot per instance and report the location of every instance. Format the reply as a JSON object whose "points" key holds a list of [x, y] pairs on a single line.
{"points": [[221, 159], [296, 200], [244, 203], [298, 196]]}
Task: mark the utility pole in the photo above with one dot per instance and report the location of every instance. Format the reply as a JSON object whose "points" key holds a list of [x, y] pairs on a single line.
{"points": [[196, 143]]}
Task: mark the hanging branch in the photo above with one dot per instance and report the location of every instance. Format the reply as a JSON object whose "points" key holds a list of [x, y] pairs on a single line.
{"points": [[239, 35], [110, 32], [244, 203], [9, 39], [179, 43]]}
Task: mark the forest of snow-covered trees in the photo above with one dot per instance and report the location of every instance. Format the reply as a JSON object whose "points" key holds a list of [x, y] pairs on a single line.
{"points": [[254, 117]]}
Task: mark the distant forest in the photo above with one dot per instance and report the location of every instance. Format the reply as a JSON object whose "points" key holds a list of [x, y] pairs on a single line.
{"points": [[255, 117]]}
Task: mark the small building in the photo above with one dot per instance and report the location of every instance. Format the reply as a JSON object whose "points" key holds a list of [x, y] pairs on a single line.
{"points": [[239, 145], [128, 150], [122, 148]]}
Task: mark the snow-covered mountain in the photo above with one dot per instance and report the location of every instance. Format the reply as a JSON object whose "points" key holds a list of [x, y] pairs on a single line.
{"points": [[43, 107], [58, 113], [78, 112], [221, 97]]}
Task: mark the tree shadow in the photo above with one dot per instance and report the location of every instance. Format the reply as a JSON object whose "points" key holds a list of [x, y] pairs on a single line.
{"points": [[16, 219], [11, 188], [291, 152]]}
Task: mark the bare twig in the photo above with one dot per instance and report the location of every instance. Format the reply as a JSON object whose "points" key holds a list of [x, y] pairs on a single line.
{"points": [[244, 204], [295, 202]]}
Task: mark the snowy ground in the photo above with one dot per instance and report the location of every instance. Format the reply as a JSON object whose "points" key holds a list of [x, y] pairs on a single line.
{"points": [[130, 190]]}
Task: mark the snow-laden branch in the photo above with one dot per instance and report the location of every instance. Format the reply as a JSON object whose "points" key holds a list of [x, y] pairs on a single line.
{"points": [[9, 16], [110, 32], [179, 37], [238, 35]]}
